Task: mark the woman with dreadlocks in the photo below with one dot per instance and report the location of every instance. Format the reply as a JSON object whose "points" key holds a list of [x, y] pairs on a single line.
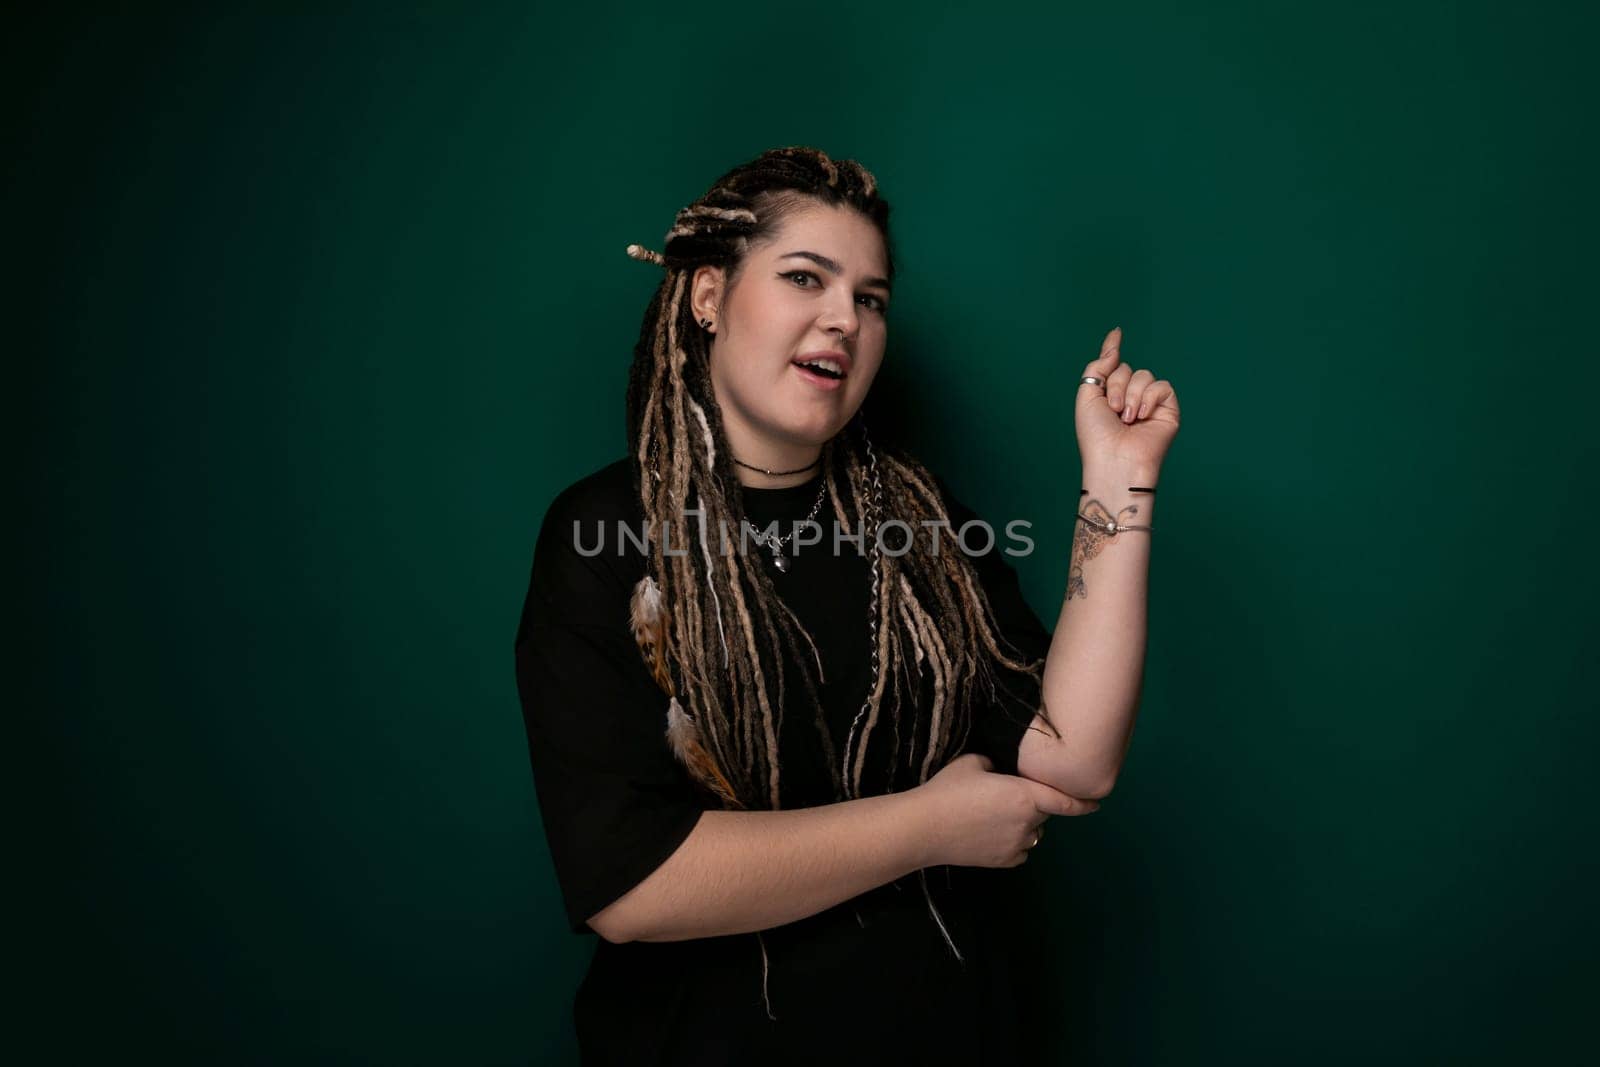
{"points": [[745, 740]]}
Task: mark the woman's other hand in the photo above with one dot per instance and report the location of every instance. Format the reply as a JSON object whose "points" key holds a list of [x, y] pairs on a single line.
{"points": [[1129, 423], [972, 817]]}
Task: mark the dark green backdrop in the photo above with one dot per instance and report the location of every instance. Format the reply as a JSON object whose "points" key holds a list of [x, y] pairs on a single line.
{"points": [[316, 311]]}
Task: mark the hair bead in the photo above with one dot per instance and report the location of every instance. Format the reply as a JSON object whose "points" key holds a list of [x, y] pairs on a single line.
{"points": [[645, 255]]}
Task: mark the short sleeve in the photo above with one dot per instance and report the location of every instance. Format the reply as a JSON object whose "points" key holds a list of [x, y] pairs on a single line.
{"points": [[998, 725], [613, 799]]}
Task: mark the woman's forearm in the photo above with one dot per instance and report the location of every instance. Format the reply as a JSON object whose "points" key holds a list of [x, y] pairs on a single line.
{"points": [[750, 870], [1095, 666]]}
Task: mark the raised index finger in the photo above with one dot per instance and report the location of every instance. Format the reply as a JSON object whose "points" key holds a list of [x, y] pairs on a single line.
{"points": [[1110, 355]]}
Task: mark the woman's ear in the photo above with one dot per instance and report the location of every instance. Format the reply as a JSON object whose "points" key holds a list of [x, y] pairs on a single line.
{"points": [[705, 293]]}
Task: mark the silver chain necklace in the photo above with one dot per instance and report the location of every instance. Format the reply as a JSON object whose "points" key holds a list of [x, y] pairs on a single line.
{"points": [[777, 544]]}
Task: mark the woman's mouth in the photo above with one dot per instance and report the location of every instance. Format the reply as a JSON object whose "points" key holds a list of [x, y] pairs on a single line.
{"points": [[824, 374]]}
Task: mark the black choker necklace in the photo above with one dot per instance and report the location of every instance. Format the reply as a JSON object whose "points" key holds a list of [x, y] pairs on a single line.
{"points": [[776, 474]]}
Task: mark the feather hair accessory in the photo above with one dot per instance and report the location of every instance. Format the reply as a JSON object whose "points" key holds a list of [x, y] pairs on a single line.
{"points": [[684, 737], [647, 616]]}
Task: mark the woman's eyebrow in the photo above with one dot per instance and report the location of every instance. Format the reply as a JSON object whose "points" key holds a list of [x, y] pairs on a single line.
{"points": [[824, 261]]}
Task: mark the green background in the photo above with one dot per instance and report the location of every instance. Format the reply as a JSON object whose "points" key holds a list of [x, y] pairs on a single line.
{"points": [[315, 311]]}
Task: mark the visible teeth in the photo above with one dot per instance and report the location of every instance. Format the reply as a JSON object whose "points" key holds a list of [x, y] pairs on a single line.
{"points": [[828, 364]]}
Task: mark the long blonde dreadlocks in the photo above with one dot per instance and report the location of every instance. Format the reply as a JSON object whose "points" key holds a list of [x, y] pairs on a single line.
{"points": [[717, 636]]}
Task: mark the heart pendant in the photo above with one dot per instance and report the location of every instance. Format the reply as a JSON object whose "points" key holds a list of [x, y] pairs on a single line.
{"points": [[781, 560]]}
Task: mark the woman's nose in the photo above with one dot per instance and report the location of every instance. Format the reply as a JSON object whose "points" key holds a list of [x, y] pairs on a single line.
{"points": [[845, 320]]}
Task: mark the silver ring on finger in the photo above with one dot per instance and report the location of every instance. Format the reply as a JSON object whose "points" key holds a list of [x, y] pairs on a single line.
{"points": [[1089, 379]]}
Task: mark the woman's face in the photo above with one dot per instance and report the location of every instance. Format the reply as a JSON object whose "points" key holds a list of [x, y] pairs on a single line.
{"points": [[818, 289]]}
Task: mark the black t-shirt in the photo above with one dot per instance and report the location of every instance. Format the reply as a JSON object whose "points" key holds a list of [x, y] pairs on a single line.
{"points": [[866, 980]]}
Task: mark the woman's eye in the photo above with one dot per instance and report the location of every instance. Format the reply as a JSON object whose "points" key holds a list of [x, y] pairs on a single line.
{"points": [[876, 304]]}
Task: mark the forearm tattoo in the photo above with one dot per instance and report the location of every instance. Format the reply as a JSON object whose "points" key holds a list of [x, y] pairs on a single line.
{"points": [[1089, 540]]}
